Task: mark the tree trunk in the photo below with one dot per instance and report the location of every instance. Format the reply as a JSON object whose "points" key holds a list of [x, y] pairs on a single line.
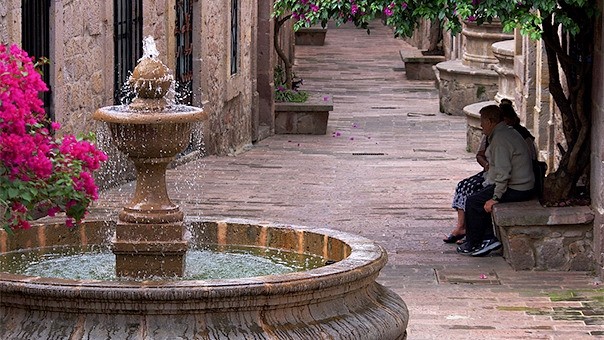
{"points": [[572, 55], [287, 64]]}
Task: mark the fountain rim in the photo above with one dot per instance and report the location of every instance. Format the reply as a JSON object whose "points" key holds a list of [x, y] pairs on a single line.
{"points": [[166, 115], [366, 258]]}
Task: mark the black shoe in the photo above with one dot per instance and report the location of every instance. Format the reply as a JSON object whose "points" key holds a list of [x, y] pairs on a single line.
{"points": [[466, 249], [453, 238], [487, 246]]}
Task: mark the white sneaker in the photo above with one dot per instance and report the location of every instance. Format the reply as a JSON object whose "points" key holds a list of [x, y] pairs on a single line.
{"points": [[487, 247]]}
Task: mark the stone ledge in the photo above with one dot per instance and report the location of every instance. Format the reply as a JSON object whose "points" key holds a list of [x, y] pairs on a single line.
{"points": [[533, 213], [419, 66], [545, 238]]}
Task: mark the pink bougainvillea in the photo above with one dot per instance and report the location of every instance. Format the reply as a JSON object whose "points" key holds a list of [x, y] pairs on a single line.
{"points": [[38, 171]]}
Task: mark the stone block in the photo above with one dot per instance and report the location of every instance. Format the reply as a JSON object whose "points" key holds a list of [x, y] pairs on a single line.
{"points": [[519, 252], [551, 253], [419, 66], [313, 36], [545, 238], [310, 117], [461, 85]]}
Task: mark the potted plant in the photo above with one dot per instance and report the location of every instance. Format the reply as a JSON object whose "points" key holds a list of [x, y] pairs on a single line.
{"points": [[40, 174], [299, 112]]}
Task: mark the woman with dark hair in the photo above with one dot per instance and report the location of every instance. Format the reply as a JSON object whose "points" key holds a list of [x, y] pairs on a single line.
{"points": [[511, 118]]}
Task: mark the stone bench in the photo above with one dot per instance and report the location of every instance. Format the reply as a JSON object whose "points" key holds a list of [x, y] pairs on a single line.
{"points": [[419, 66], [545, 238]]}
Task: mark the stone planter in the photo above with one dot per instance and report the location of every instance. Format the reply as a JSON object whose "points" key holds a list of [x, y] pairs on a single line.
{"points": [[545, 238], [314, 36], [474, 130], [419, 66], [460, 85], [309, 117], [478, 41]]}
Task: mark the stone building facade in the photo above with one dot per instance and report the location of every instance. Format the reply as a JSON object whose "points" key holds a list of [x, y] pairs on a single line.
{"points": [[231, 76]]}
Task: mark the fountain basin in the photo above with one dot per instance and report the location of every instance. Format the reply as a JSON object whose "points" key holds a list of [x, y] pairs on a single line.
{"points": [[338, 301]]}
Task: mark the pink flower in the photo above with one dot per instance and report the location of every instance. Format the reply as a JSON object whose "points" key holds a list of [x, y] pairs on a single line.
{"points": [[388, 11], [36, 167], [53, 211]]}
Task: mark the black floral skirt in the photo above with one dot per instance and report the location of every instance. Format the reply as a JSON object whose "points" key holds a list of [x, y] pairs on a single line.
{"points": [[465, 188]]}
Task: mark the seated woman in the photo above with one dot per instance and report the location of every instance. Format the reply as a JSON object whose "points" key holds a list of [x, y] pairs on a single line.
{"points": [[465, 188], [473, 184]]}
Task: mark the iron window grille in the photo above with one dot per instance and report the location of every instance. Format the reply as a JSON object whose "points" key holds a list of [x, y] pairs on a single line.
{"points": [[128, 45], [35, 40]]}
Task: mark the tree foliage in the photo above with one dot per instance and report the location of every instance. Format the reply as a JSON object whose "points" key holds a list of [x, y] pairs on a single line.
{"points": [[565, 27]]}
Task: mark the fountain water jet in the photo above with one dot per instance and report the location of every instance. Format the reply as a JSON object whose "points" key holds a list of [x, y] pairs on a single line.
{"points": [[337, 301]]}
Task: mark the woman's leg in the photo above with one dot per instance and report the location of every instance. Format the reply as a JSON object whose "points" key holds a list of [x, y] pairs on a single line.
{"points": [[464, 188]]}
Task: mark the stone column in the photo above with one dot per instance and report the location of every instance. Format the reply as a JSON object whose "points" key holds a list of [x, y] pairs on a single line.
{"points": [[503, 51], [597, 165], [469, 80], [265, 58], [543, 112], [525, 70]]}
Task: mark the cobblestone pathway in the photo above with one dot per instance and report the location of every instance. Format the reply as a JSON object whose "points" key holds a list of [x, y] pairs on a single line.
{"points": [[386, 170]]}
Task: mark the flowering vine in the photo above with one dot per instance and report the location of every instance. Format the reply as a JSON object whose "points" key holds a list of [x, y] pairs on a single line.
{"points": [[39, 174]]}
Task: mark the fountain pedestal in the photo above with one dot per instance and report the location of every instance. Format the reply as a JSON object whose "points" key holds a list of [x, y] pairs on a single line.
{"points": [[149, 240], [162, 251]]}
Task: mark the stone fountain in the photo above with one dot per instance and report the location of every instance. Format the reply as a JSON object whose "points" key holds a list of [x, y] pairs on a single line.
{"points": [[341, 300], [150, 234]]}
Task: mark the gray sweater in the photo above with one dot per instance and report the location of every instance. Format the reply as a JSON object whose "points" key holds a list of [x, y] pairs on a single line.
{"points": [[510, 164]]}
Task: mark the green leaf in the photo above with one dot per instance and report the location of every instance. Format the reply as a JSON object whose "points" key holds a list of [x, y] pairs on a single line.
{"points": [[13, 192]]}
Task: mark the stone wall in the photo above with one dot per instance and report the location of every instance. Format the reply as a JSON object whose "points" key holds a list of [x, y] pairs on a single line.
{"points": [[229, 97], [597, 167], [10, 21]]}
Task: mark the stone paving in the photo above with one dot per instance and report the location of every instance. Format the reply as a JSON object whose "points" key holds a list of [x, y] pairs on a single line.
{"points": [[386, 170]]}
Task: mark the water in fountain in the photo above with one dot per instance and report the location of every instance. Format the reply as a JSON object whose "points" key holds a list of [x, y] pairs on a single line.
{"points": [[204, 262]]}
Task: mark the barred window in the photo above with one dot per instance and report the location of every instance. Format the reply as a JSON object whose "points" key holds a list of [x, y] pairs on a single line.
{"points": [[35, 39], [234, 36], [128, 44]]}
